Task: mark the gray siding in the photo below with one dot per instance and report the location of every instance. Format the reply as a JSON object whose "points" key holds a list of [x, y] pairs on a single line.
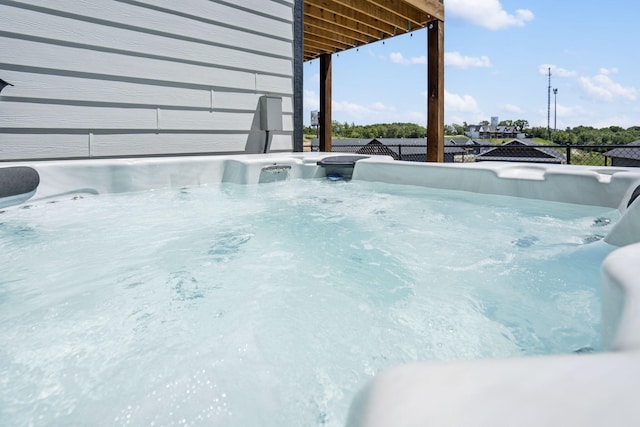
{"points": [[107, 77]]}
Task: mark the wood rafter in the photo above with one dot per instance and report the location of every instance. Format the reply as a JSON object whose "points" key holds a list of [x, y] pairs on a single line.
{"points": [[332, 26]]}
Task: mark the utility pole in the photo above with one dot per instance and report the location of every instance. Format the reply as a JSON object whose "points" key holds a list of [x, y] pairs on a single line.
{"points": [[555, 110], [549, 107]]}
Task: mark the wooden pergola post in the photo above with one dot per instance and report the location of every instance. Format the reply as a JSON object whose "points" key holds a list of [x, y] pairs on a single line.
{"points": [[325, 102], [435, 91]]}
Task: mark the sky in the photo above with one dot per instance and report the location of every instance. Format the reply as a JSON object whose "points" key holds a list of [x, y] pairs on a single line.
{"points": [[497, 57]]}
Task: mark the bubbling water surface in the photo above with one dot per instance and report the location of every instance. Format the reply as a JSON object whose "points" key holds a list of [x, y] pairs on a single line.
{"points": [[273, 304]]}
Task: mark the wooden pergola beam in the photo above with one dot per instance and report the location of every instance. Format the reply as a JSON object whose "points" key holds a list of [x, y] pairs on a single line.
{"points": [[435, 8], [402, 11], [333, 26], [325, 102], [435, 91], [359, 22], [376, 14], [336, 14], [343, 39], [316, 27]]}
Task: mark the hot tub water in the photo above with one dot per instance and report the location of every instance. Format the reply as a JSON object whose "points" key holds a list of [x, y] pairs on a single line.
{"points": [[272, 304]]}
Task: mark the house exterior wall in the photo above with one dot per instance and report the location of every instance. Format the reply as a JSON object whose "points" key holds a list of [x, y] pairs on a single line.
{"points": [[623, 162], [102, 78]]}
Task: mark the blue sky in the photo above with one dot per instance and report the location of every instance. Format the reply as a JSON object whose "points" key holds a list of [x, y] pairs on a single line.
{"points": [[497, 53]]}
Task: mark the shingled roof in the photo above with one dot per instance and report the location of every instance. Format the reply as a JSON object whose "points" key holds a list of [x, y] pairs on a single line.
{"points": [[522, 150], [631, 153]]}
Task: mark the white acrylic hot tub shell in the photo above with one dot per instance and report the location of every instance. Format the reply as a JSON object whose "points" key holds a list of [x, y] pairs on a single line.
{"points": [[575, 390]]}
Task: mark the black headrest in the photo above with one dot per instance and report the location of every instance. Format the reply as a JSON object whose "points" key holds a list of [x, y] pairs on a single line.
{"points": [[634, 195], [15, 180]]}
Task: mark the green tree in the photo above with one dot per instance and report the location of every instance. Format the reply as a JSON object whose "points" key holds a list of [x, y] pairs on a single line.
{"points": [[450, 130], [521, 124]]}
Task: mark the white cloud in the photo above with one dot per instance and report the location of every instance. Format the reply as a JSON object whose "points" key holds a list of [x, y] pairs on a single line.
{"points": [[510, 108], [373, 54], [460, 103], [416, 117], [374, 111], [555, 71], [576, 115], [455, 59], [608, 71], [311, 100], [487, 13], [567, 111], [461, 108], [379, 106], [377, 112], [622, 120], [398, 58], [602, 88]]}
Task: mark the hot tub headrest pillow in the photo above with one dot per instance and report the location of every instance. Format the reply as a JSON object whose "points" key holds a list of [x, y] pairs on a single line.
{"points": [[634, 195], [16, 180]]}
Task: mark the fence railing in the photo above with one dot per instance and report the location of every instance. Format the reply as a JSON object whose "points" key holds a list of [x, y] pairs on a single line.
{"points": [[591, 155]]}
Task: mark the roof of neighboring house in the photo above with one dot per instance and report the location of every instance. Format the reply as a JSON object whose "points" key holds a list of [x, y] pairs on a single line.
{"points": [[376, 147], [410, 146], [632, 152], [534, 151], [457, 140]]}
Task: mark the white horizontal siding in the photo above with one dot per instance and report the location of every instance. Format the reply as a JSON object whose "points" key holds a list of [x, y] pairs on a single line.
{"points": [[149, 77], [281, 143], [51, 88], [262, 38], [23, 115], [203, 120], [235, 17], [145, 144], [96, 36], [30, 146], [181, 143], [25, 146], [270, 8], [36, 55]]}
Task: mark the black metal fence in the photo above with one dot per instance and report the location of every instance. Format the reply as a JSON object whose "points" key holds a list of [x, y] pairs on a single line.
{"points": [[591, 155]]}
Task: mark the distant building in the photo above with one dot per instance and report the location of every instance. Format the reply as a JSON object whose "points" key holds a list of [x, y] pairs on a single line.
{"points": [[522, 150], [472, 131], [625, 156], [493, 132]]}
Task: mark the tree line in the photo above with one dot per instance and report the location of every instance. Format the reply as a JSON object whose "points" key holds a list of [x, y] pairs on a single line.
{"points": [[580, 135], [587, 135], [382, 130]]}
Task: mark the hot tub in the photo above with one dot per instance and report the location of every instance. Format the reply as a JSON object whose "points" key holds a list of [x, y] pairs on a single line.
{"points": [[577, 389]]}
